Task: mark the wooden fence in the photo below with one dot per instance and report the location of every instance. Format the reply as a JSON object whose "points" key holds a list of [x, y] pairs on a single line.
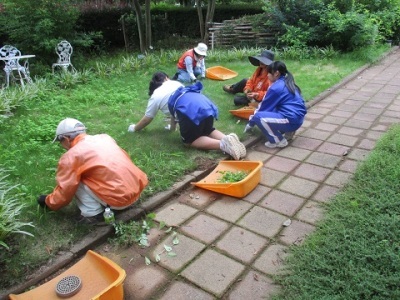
{"points": [[228, 33]]}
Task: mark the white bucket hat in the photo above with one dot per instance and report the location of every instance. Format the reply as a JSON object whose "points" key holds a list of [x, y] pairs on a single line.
{"points": [[69, 127], [201, 49]]}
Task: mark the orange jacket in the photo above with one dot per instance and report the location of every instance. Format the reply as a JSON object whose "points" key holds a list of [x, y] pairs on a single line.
{"points": [[181, 62], [98, 162], [258, 83]]}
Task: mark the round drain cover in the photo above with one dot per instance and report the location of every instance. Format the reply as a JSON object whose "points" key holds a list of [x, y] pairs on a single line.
{"points": [[68, 286]]}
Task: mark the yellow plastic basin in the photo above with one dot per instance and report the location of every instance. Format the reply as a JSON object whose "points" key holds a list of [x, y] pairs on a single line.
{"points": [[235, 189], [220, 73], [244, 112], [101, 278]]}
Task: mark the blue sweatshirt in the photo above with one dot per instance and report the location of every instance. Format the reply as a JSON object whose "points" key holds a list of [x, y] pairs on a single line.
{"points": [[190, 102], [279, 99]]}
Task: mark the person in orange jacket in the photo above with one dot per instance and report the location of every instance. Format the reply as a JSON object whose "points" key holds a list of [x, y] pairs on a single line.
{"points": [[254, 88], [96, 171], [191, 64]]}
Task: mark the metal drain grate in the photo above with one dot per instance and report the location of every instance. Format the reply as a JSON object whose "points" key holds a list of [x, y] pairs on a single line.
{"points": [[68, 286]]}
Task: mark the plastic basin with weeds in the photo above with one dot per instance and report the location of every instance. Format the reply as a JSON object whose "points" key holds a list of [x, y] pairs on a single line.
{"points": [[244, 112], [101, 279], [220, 73], [235, 189]]}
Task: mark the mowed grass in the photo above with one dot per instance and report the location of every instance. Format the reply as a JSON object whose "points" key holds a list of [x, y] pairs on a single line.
{"points": [[355, 251], [108, 103]]}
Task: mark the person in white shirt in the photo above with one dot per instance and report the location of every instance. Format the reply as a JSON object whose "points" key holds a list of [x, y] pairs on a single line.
{"points": [[160, 89]]}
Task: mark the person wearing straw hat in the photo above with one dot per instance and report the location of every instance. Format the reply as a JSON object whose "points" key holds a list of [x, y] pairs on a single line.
{"points": [[94, 170], [256, 86], [191, 65]]}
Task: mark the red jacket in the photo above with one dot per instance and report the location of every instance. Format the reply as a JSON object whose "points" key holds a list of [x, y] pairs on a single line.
{"points": [[98, 162], [258, 83], [181, 62]]}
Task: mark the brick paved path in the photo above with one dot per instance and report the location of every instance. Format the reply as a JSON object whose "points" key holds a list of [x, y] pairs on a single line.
{"points": [[230, 248]]}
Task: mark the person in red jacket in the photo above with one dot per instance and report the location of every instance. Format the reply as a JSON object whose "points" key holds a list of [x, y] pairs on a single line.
{"points": [[256, 86], [94, 170], [191, 64]]}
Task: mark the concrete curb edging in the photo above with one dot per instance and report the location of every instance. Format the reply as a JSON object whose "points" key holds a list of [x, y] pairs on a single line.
{"points": [[100, 234]]}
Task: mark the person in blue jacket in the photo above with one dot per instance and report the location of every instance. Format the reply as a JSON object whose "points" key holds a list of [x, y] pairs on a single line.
{"points": [[195, 114], [282, 110]]}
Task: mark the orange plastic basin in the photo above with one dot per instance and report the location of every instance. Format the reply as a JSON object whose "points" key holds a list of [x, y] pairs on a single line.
{"points": [[244, 112], [236, 189], [102, 279], [220, 73]]}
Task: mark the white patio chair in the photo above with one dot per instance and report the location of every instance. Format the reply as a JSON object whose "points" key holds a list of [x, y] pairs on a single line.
{"points": [[64, 51], [12, 65]]}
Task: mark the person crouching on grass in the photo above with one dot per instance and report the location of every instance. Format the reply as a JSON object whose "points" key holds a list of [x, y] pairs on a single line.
{"points": [[194, 112], [94, 170], [282, 110]]}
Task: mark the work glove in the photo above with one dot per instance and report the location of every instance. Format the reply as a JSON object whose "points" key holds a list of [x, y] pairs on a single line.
{"points": [[42, 201], [131, 128], [168, 127], [248, 128]]}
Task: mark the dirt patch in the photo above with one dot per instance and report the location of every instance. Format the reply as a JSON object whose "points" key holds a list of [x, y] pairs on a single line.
{"points": [[204, 163]]}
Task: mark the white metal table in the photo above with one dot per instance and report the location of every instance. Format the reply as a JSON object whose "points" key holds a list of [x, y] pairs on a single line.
{"points": [[12, 64]]}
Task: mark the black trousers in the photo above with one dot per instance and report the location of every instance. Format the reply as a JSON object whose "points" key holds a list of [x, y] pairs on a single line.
{"points": [[239, 86]]}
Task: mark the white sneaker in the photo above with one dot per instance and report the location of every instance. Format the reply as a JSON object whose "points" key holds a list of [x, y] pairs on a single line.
{"points": [[242, 147], [281, 144], [229, 146]]}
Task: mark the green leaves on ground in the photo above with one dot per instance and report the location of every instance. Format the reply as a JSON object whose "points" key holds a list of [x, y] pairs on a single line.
{"points": [[232, 176]]}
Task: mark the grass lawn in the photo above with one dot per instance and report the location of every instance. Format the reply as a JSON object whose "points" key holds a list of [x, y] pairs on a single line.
{"points": [[355, 252], [107, 99]]}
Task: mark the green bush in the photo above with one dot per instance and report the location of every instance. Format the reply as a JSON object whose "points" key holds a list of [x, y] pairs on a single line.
{"points": [[38, 26], [346, 25], [348, 31]]}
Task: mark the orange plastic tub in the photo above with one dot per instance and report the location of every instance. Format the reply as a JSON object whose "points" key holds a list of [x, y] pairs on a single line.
{"points": [[244, 112], [236, 189], [101, 279], [220, 73]]}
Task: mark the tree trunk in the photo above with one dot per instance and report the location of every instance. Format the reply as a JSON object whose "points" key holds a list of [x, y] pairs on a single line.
{"points": [[136, 7], [201, 20], [148, 25], [209, 19]]}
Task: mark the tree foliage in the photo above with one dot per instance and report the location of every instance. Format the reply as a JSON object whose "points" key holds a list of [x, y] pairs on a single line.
{"points": [[37, 26], [346, 25]]}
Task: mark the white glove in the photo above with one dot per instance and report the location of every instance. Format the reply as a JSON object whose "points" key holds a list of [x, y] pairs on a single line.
{"points": [[248, 128], [131, 128], [168, 127]]}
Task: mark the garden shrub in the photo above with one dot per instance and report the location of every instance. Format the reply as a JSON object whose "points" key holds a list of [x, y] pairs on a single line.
{"points": [[350, 30], [346, 25], [38, 26]]}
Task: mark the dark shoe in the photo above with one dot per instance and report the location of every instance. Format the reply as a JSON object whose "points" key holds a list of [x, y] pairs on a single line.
{"points": [[97, 220], [228, 89], [240, 100], [289, 135], [175, 77]]}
